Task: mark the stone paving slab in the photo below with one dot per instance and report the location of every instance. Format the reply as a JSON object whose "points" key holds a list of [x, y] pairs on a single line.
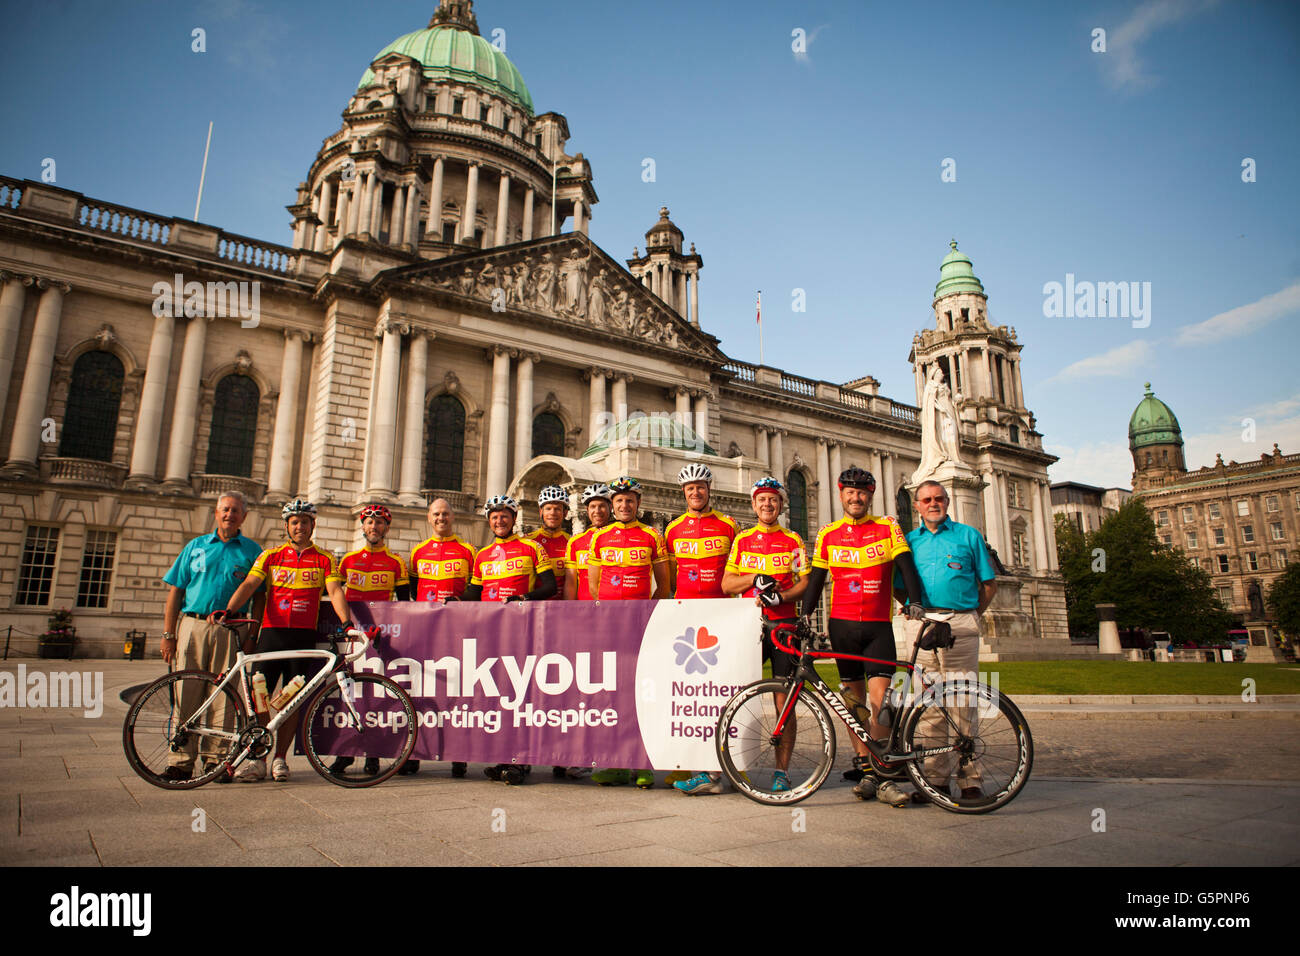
{"points": [[68, 798]]}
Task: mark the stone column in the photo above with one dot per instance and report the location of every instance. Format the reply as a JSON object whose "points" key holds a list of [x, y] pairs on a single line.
{"points": [[503, 211], [433, 228], [365, 199], [523, 410], [823, 484], [878, 496], [683, 405], [25, 443], [185, 411], [702, 416], [396, 235], [499, 423], [776, 461], [837, 466], [286, 417], [376, 207], [345, 212], [760, 444], [1016, 385], [528, 215], [1003, 515], [12, 296], [1039, 528], [417, 384], [467, 227], [618, 396], [596, 418], [410, 228], [695, 299], [382, 434], [1049, 528], [889, 506], [991, 522], [322, 231], [988, 373], [579, 220], [148, 421]]}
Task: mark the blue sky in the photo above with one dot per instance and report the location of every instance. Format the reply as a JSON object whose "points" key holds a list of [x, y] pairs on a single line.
{"points": [[819, 171]]}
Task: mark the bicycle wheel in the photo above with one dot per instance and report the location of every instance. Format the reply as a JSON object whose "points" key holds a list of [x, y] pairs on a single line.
{"points": [[362, 716], [750, 754], [991, 747], [168, 724]]}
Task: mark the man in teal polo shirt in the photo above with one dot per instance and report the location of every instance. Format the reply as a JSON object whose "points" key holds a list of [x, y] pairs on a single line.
{"points": [[956, 574], [202, 580]]}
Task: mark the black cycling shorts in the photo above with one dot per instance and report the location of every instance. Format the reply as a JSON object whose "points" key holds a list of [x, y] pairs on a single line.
{"points": [[783, 664], [866, 639], [287, 639]]}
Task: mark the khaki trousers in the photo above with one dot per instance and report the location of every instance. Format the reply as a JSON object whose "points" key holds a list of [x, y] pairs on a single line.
{"points": [[961, 661], [206, 647]]}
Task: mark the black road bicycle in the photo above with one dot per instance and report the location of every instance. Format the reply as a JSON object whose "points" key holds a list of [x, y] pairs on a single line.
{"points": [[959, 732]]}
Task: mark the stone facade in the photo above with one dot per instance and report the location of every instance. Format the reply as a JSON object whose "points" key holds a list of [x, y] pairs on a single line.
{"points": [[1085, 506], [393, 305]]}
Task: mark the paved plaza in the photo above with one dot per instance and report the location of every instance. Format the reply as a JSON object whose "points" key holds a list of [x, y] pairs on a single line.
{"points": [[1178, 782]]}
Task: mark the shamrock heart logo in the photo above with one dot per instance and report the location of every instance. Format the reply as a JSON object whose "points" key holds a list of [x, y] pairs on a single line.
{"points": [[697, 650], [704, 640]]}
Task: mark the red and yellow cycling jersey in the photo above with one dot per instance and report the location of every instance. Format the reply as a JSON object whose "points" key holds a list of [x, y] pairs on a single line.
{"points": [[626, 553], [441, 567], [578, 560], [771, 550], [509, 566], [858, 555], [295, 581], [556, 546], [699, 546], [370, 574]]}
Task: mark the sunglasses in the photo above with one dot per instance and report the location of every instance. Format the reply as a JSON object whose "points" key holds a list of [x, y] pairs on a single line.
{"points": [[925, 501]]}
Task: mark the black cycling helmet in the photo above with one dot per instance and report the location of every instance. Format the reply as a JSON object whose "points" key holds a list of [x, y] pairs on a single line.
{"points": [[856, 477]]}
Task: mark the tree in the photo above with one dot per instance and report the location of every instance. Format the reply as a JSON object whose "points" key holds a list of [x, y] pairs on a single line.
{"points": [[1123, 563], [1284, 600]]}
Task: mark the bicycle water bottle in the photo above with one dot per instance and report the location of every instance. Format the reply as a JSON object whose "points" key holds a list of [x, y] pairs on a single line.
{"points": [[259, 693], [288, 692], [855, 706]]}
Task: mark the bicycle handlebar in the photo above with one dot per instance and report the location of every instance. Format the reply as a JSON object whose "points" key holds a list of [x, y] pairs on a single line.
{"points": [[354, 633]]}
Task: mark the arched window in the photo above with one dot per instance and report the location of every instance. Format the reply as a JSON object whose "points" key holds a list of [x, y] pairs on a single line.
{"points": [[548, 435], [234, 427], [903, 501], [446, 452], [90, 421], [797, 488]]}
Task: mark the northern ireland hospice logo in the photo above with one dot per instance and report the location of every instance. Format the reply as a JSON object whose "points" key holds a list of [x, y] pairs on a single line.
{"points": [[697, 649]]}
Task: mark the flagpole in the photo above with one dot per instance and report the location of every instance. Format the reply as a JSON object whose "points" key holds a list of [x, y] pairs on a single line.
{"points": [[760, 326], [204, 172]]}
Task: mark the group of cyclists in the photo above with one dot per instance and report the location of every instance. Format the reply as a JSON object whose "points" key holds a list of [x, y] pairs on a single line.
{"points": [[701, 554]]}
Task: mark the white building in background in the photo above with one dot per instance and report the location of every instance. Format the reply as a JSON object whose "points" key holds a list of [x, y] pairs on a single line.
{"points": [[440, 326]]}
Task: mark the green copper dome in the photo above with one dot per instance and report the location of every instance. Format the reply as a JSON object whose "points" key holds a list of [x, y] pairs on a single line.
{"points": [[956, 274], [451, 52], [658, 431], [1153, 423]]}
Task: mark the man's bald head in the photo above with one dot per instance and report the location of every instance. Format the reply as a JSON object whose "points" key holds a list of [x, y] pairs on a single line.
{"points": [[441, 517]]}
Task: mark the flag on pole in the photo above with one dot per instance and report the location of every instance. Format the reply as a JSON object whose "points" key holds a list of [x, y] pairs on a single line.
{"points": [[758, 307]]}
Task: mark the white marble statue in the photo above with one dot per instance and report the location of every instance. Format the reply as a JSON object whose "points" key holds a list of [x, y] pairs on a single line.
{"points": [[939, 442]]}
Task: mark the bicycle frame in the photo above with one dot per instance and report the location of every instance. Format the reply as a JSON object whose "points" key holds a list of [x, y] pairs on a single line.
{"points": [[806, 675], [333, 662]]}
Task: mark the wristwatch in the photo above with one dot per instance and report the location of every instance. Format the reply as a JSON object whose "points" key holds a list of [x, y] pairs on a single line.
{"points": [[168, 636]]}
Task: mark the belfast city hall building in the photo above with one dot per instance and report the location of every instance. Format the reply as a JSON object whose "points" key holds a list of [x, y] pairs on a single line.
{"points": [[441, 326]]}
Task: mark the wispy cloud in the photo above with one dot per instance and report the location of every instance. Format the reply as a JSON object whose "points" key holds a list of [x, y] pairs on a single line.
{"points": [[1122, 62], [1104, 464], [1268, 425], [1244, 319], [1121, 360]]}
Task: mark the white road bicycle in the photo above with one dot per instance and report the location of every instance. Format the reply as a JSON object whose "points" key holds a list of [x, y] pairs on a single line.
{"points": [[347, 714]]}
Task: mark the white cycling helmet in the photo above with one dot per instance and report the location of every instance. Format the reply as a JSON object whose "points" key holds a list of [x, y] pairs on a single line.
{"points": [[299, 506], [553, 493], [596, 493], [500, 503], [695, 471]]}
